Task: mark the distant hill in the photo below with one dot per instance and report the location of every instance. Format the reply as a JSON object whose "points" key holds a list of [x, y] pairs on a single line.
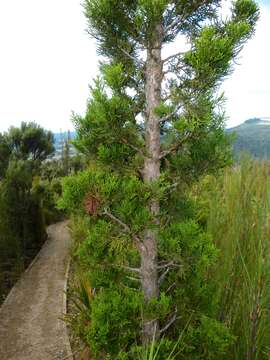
{"points": [[253, 136]]}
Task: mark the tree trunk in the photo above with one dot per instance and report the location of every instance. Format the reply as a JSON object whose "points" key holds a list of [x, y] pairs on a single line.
{"points": [[151, 173]]}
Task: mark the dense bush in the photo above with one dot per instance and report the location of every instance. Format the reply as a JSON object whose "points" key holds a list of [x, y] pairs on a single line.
{"points": [[22, 199]]}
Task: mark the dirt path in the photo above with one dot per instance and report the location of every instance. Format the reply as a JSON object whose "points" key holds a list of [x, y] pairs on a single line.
{"points": [[30, 325]]}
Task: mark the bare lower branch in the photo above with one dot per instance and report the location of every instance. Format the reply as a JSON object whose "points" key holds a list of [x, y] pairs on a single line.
{"points": [[133, 58], [127, 229], [173, 148], [138, 150], [179, 19], [173, 186], [133, 278], [171, 57], [170, 322], [166, 265], [162, 277], [169, 264], [137, 270], [166, 97], [170, 287], [172, 25], [173, 113]]}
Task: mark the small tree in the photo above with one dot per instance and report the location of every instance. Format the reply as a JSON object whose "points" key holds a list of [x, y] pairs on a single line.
{"points": [[152, 125], [66, 154], [22, 227], [4, 155], [30, 142]]}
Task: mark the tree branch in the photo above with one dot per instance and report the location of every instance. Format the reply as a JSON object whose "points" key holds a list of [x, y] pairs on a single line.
{"points": [[165, 266], [172, 25], [162, 277], [133, 278], [130, 269], [170, 322], [169, 264], [173, 187], [173, 148], [136, 239], [133, 58], [180, 19], [136, 270], [172, 57], [173, 113], [170, 287], [132, 146]]}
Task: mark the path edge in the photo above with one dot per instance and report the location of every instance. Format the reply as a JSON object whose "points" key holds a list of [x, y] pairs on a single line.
{"points": [[17, 283], [67, 342]]}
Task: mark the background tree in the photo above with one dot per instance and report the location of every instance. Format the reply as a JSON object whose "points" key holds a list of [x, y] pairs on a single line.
{"points": [[4, 155], [22, 221], [66, 154], [30, 142], [152, 126]]}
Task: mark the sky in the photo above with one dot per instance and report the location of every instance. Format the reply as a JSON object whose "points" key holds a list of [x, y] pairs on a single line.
{"points": [[47, 61]]}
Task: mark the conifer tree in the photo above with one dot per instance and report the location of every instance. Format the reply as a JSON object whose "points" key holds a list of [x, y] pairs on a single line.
{"points": [[152, 125]]}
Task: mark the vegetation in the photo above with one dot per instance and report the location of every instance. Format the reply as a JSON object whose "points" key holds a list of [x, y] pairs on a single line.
{"points": [[151, 130], [171, 240], [235, 208], [27, 198]]}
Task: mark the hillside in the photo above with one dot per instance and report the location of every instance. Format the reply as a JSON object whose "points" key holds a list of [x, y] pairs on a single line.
{"points": [[253, 136]]}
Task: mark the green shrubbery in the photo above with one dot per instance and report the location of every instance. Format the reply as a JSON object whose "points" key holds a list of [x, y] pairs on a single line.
{"points": [[23, 198]]}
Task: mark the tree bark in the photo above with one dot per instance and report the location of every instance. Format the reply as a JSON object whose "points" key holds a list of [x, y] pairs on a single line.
{"points": [[151, 172]]}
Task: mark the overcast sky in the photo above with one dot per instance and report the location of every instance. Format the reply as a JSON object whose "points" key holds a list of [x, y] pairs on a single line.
{"points": [[47, 62]]}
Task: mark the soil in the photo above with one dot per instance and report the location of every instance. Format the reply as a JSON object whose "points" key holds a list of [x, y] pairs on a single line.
{"points": [[31, 327]]}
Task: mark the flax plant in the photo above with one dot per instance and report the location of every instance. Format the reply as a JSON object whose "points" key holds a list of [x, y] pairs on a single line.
{"points": [[238, 219]]}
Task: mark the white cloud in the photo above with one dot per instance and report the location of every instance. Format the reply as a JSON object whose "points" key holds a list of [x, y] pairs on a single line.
{"points": [[47, 61]]}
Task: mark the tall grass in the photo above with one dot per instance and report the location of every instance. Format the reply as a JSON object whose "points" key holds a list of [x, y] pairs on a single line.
{"points": [[239, 221]]}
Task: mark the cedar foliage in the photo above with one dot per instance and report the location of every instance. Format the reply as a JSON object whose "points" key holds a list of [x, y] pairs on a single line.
{"points": [[152, 127]]}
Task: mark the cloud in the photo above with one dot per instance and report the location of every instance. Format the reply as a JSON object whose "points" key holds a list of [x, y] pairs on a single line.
{"points": [[47, 61]]}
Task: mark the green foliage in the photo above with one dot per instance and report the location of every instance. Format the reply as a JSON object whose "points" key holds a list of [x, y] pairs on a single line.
{"points": [[125, 196], [210, 339], [114, 311]]}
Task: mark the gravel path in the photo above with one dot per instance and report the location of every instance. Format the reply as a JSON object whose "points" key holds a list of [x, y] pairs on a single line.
{"points": [[30, 324]]}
